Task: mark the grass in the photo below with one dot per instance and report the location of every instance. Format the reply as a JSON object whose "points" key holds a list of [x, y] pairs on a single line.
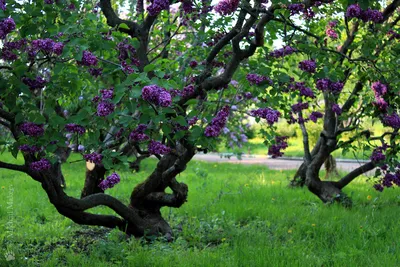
{"points": [[236, 215]]}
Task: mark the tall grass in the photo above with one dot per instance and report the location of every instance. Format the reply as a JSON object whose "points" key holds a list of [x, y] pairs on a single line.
{"points": [[236, 215]]}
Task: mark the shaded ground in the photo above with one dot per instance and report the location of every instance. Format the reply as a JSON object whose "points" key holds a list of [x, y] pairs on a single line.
{"points": [[274, 164]]}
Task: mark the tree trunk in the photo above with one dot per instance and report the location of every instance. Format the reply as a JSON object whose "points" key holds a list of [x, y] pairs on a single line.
{"points": [[330, 168], [299, 177], [94, 176]]}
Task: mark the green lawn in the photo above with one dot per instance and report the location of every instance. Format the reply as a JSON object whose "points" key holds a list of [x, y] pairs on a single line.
{"points": [[235, 216]]}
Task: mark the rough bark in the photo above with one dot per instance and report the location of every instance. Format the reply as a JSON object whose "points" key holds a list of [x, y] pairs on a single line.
{"points": [[92, 180]]}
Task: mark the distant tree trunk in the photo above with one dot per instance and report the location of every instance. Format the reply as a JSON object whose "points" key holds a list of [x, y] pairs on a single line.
{"points": [[330, 168], [62, 155], [94, 176]]}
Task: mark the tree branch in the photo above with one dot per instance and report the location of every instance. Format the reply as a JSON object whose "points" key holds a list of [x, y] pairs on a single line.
{"points": [[354, 174], [14, 167]]}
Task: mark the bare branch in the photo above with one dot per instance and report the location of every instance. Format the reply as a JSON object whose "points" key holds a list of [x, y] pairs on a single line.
{"points": [[354, 174], [14, 167]]}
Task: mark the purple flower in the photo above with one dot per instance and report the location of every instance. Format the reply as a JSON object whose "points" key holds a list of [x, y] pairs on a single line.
{"points": [[156, 95], [331, 33], [315, 115], [336, 108], [378, 187], [188, 91], [308, 66], [138, 134], [105, 108], [193, 64], [379, 88], [96, 72], [107, 93], [193, 121], [3, 5], [33, 84], [353, 11], [40, 165], [94, 157], [32, 129], [49, 2], [96, 99], [6, 26], [332, 23], [336, 87], [226, 7], [304, 91], [217, 123], [392, 120], [280, 144], [75, 128], [29, 149], [88, 59], [156, 147], [380, 103], [284, 51], [377, 155], [110, 181], [296, 8], [299, 107], [269, 114], [372, 15], [157, 6], [257, 79], [323, 84]]}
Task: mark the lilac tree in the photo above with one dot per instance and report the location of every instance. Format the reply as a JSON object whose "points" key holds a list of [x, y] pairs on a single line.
{"points": [[157, 81]]}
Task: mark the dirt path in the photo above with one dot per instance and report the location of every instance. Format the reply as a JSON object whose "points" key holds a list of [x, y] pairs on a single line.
{"points": [[275, 164]]}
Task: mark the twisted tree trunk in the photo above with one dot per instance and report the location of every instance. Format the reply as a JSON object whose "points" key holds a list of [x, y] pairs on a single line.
{"points": [[94, 176]]}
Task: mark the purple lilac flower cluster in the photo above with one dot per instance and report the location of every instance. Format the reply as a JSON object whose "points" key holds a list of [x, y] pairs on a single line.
{"points": [[88, 59], [37, 83], [29, 149], [275, 150], [75, 128], [299, 107], [193, 121], [32, 129], [315, 115], [107, 93], [392, 120], [6, 26], [377, 155], [355, 11], [304, 91], [268, 114], [105, 108], [94, 157], [157, 6], [193, 64], [40, 165], [96, 72], [3, 5], [217, 123], [47, 46], [308, 13], [308, 66], [336, 108], [7, 52], [138, 134], [236, 138], [156, 95], [380, 90], [188, 91], [156, 147], [226, 7], [110, 181], [284, 51], [327, 85], [393, 35], [257, 79], [330, 31]]}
